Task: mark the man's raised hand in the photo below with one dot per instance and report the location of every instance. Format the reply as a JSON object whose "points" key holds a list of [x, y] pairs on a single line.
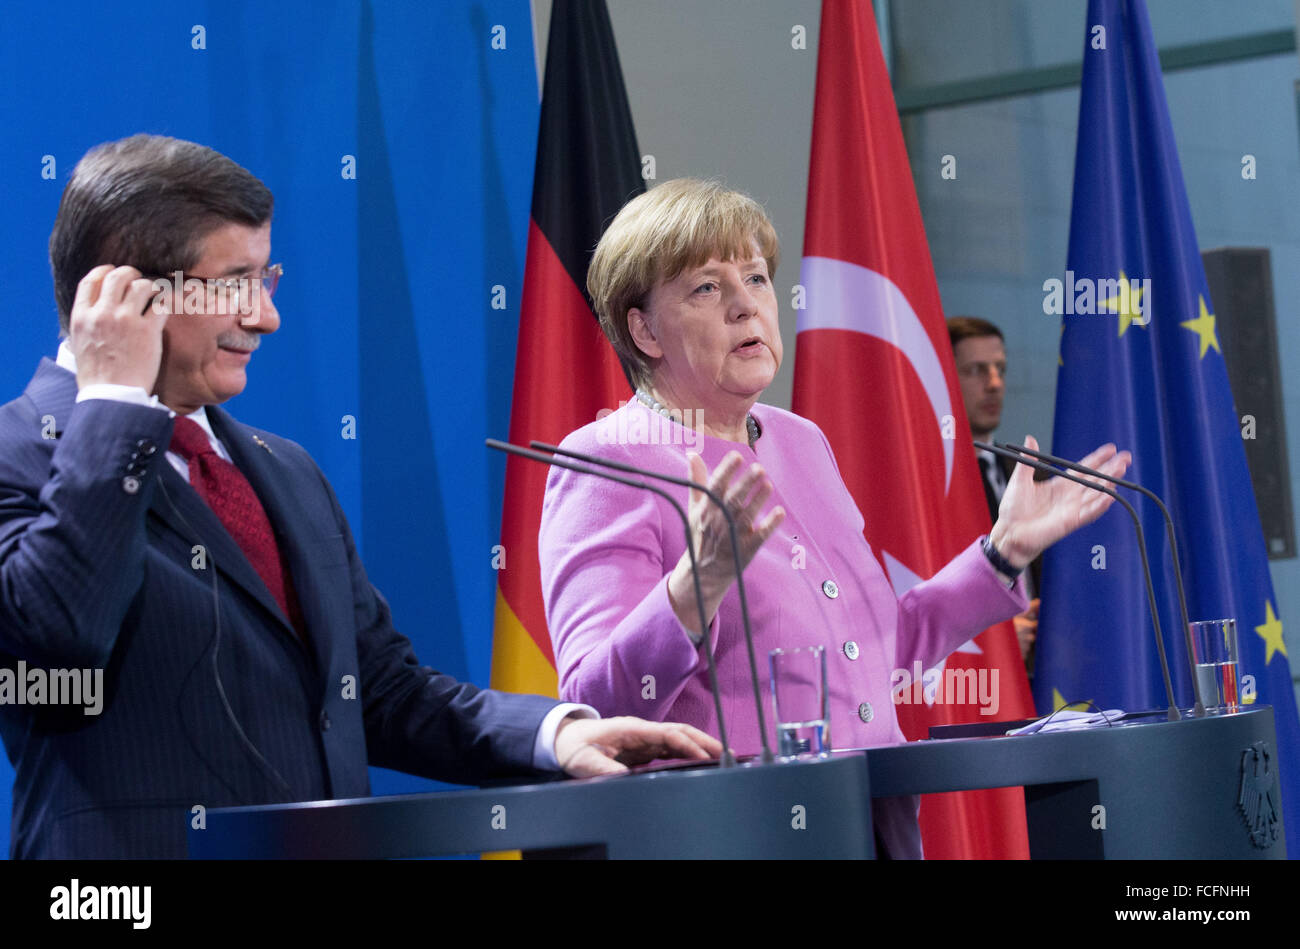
{"points": [[116, 335]]}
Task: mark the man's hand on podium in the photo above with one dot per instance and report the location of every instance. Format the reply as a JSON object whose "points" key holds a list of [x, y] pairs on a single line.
{"points": [[590, 746]]}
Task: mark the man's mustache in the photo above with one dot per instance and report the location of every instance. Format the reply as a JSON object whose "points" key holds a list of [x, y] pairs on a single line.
{"points": [[236, 340]]}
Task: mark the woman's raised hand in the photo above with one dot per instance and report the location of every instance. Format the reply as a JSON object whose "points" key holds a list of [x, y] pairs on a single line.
{"points": [[745, 492], [1036, 514]]}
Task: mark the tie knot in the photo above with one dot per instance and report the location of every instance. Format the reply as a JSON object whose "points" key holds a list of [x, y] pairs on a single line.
{"points": [[189, 440]]}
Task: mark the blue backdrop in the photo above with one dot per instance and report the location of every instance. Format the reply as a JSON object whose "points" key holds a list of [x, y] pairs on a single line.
{"points": [[387, 296]]}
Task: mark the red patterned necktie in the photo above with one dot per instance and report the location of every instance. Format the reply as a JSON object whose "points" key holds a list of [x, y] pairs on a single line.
{"points": [[225, 489]]}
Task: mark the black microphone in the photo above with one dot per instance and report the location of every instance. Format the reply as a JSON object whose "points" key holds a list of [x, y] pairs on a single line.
{"points": [[1199, 710], [735, 553], [1015, 456], [728, 759]]}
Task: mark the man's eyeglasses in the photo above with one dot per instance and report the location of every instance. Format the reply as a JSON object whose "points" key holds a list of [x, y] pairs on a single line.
{"points": [[982, 370], [214, 294], [270, 277]]}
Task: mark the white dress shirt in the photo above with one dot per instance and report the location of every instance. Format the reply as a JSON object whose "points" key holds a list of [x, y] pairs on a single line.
{"points": [[543, 746], [992, 472], [137, 395]]}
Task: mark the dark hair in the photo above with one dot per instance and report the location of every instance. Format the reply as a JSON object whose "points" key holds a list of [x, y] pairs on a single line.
{"points": [[147, 201], [968, 327]]}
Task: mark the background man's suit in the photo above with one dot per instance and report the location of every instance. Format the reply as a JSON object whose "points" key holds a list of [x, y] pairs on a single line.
{"points": [[994, 497], [213, 701]]}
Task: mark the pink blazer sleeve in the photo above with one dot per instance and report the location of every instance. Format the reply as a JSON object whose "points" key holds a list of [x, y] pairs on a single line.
{"points": [[958, 603], [605, 587]]}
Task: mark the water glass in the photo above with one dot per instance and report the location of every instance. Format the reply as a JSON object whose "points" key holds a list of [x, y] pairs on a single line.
{"points": [[800, 701], [1214, 651]]}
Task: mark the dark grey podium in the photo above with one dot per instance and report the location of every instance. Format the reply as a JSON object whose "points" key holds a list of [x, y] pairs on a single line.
{"points": [[800, 810], [1168, 789], [1165, 789]]}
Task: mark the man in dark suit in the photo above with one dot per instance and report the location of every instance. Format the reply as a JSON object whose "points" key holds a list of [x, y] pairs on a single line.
{"points": [[981, 358], [205, 566]]}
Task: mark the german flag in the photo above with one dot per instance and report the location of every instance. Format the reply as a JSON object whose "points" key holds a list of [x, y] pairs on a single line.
{"points": [[588, 167]]}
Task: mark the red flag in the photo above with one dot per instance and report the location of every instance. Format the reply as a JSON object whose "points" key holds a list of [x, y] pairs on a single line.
{"points": [[565, 371], [875, 370]]}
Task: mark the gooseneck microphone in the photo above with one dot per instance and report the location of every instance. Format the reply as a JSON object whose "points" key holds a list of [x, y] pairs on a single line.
{"points": [[735, 554], [1173, 714], [1199, 710], [728, 759]]}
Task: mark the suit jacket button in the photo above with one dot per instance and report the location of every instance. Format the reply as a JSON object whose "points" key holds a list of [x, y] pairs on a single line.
{"points": [[131, 484], [146, 447], [865, 712], [830, 589], [324, 721], [851, 649]]}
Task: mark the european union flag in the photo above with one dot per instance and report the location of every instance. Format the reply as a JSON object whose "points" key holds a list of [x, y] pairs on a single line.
{"points": [[1141, 366]]}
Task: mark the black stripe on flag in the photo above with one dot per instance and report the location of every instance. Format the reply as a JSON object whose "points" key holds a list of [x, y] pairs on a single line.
{"points": [[588, 165]]}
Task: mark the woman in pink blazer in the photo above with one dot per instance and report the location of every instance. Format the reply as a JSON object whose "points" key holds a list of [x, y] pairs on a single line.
{"points": [[682, 283]]}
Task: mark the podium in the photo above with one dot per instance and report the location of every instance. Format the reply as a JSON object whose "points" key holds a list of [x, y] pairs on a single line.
{"points": [[1167, 790], [801, 810], [1164, 789]]}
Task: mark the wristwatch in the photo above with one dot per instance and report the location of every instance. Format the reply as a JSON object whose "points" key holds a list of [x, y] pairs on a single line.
{"points": [[1000, 563]]}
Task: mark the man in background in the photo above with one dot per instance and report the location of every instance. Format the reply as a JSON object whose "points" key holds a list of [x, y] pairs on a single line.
{"points": [[981, 357]]}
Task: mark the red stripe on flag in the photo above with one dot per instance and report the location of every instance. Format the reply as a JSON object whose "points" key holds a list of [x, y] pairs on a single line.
{"points": [[862, 386], [565, 372]]}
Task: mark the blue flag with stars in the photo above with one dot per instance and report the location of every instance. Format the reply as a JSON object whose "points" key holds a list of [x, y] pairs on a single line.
{"points": [[1141, 367]]}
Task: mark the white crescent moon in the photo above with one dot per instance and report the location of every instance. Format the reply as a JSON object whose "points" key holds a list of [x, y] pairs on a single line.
{"points": [[844, 296]]}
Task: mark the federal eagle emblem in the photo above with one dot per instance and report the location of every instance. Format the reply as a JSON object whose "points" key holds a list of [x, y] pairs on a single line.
{"points": [[1257, 799]]}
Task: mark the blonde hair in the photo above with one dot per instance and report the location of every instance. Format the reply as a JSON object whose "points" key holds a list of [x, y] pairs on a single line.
{"points": [[678, 224]]}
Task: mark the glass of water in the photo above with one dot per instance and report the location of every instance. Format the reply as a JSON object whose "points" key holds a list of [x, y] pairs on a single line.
{"points": [[799, 701], [1214, 651]]}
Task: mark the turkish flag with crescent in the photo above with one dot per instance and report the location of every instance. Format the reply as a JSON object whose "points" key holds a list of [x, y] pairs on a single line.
{"points": [[874, 369]]}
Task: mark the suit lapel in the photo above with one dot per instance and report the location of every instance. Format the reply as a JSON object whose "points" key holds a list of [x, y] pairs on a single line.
{"points": [[179, 506], [990, 496], [274, 482]]}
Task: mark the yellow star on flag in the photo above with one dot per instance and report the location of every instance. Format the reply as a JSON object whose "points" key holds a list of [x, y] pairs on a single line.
{"points": [[1126, 304], [1271, 633], [1203, 326], [1058, 703]]}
